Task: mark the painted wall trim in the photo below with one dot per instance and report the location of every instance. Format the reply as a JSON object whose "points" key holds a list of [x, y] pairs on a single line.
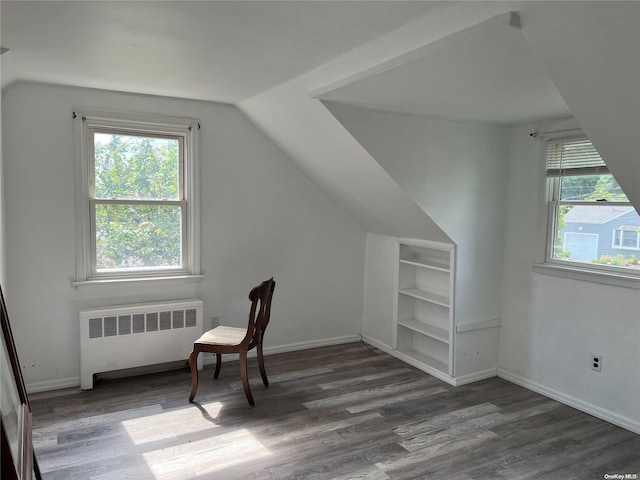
{"points": [[47, 385], [475, 376], [57, 384], [455, 381], [407, 359], [292, 347], [379, 345], [584, 275], [604, 414], [599, 412], [467, 327]]}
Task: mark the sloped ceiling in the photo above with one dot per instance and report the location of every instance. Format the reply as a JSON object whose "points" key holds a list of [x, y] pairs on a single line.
{"points": [[491, 78], [568, 58], [270, 58], [302, 126], [579, 59], [331, 157], [221, 51]]}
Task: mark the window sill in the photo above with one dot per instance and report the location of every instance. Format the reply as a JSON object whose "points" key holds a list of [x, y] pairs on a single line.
{"points": [[167, 280], [586, 275]]}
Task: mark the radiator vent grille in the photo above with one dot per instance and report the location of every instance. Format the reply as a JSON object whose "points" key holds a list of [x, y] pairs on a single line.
{"points": [[119, 337], [141, 322]]}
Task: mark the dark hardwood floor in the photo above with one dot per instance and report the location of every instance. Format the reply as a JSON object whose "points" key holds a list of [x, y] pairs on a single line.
{"points": [[342, 412]]}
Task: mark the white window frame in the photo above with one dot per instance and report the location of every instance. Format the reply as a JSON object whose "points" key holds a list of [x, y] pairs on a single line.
{"points": [[87, 121], [607, 274], [621, 246]]}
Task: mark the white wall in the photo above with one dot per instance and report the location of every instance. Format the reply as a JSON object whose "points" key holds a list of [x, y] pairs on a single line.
{"points": [[302, 127], [260, 216], [457, 173], [551, 325], [381, 265]]}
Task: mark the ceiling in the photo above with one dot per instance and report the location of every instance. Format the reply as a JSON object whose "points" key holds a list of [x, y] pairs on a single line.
{"points": [[491, 78], [234, 50], [218, 51]]}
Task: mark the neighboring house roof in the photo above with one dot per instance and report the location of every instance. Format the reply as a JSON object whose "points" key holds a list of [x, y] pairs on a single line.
{"points": [[595, 214], [628, 228]]}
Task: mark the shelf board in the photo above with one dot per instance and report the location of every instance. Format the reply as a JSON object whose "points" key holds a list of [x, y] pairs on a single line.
{"points": [[425, 264], [437, 333], [426, 296], [427, 360]]}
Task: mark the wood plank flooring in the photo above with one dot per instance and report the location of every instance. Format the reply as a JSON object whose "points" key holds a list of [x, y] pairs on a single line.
{"points": [[342, 412]]}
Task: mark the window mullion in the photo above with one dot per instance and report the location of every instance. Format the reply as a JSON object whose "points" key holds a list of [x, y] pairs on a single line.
{"points": [[118, 201]]}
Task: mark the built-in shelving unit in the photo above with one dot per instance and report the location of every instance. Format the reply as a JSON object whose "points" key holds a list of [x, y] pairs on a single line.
{"points": [[424, 327]]}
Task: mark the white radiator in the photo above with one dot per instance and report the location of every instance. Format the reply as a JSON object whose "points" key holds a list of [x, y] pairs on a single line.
{"points": [[126, 336]]}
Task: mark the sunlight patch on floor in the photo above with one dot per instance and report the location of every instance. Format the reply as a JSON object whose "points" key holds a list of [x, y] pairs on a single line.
{"points": [[153, 427], [207, 455]]}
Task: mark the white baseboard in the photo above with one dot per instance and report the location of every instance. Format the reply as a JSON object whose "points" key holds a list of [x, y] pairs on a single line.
{"points": [[47, 385], [405, 358], [607, 415], [375, 343], [455, 381], [475, 376], [327, 342], [292, 347], [604, 414], [35, 387]]}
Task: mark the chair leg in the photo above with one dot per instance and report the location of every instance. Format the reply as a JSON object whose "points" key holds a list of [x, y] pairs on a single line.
{"points": [[193, 364], [263, 372], [218, 365], [245, 378]]}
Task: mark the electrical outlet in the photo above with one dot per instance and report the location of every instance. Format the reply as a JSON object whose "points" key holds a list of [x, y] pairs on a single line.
{"points": [[595, 362]]}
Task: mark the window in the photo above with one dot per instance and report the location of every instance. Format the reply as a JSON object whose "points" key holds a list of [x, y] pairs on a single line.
{"points": [[591, 221], [626, 237], [136, 196]]}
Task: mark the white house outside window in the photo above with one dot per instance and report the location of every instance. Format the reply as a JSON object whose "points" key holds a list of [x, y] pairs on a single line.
{"points": [[592, 224], [136, 196]]}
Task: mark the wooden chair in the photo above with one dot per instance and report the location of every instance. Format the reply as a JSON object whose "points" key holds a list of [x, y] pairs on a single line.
{"points": [[220, 340]]}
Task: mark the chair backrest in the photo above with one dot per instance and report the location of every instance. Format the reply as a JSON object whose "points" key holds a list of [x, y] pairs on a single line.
{"points": [[260, 313]]}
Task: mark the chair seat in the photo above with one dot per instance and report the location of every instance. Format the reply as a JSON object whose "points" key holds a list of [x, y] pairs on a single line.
{"points": [[223, 335]]}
